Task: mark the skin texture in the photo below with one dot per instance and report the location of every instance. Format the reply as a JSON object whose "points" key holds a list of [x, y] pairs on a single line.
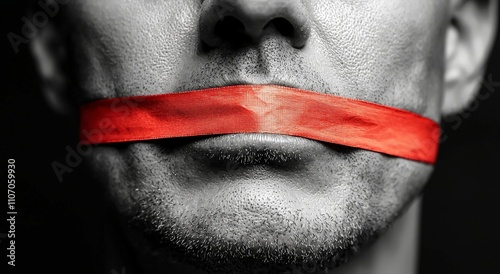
{"points": [[262, 207], [325, 203]]}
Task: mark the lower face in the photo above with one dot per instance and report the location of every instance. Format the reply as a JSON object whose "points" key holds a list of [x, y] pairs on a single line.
{"points": [[259, 201]]}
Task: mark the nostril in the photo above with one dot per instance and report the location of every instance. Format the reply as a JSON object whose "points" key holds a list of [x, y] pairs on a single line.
{"points": [[283, 26], [229, 28], [245, 21]]}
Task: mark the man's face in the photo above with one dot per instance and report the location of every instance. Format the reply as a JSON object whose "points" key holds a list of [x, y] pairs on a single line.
{"points": [[263, 202]]}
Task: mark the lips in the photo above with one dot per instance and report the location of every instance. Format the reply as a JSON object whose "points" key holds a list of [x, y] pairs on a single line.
{"points": [[247, 150], [273, 62], [255, 66], [235, 151]]}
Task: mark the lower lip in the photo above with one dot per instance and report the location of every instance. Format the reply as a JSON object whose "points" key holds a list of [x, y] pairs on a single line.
{"points": [[257, 141], [256, 150]]}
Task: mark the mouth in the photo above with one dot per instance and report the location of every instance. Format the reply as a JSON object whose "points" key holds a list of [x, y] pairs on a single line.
{"points": [[256, 149], [255, 66], [234, 151]]}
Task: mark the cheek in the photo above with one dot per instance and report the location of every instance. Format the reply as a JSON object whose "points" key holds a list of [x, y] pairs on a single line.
{"points": [[109, 168], [131, 174], [379, 186], [403, 181], [389, 52], [132, 49]]}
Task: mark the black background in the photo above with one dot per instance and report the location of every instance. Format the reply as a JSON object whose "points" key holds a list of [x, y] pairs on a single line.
{"points": [[460, 230]]}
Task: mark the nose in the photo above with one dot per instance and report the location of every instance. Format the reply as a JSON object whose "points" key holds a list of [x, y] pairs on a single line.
{"points": [[237, 20]]}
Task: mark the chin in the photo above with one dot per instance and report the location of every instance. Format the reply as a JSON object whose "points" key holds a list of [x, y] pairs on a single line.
{"points": [[283, 205]]}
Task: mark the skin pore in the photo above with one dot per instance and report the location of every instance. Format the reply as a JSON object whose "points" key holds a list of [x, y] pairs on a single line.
{"points": [[263, 203]]}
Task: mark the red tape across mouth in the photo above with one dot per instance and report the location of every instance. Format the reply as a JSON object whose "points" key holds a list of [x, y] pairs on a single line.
{"points": [[262, 109]]}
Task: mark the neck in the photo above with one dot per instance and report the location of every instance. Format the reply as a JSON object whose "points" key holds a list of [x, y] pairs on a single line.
{"points": [[395, 252]]}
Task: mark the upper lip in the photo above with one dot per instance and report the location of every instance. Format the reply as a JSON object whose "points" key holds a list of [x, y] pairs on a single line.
{"points": [[274, 81]]}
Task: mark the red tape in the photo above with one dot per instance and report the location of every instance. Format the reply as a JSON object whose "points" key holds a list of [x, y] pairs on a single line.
{"points": [[262, 109]]}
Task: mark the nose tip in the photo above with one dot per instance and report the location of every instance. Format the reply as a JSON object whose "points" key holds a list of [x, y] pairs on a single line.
{"points": [[226, 19]]}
